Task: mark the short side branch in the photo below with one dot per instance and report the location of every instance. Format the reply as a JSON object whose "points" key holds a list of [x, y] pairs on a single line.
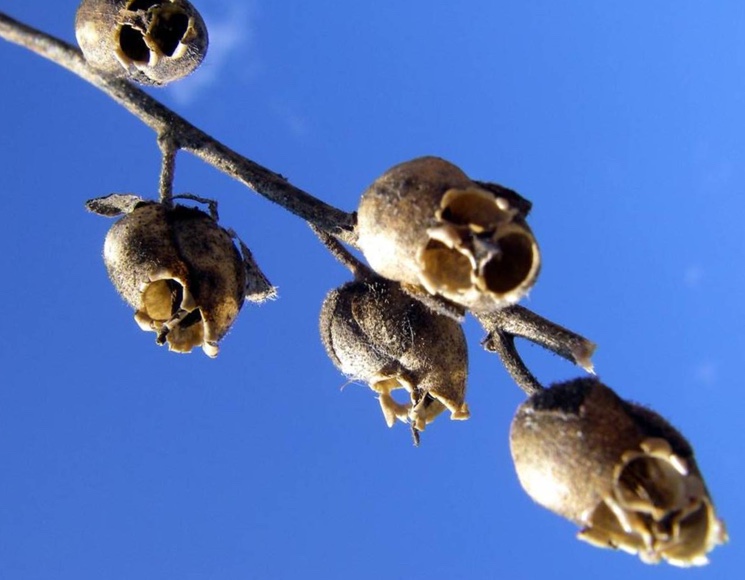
{"points": [[504, 345], [343, 256], [515, 321], [168, 150], [519, 321]]}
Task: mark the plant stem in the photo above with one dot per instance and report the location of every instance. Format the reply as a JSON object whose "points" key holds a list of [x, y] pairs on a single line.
{"points": [[332, 225], [163, 121], [519, 321], [504, 345], [342, 255], [505, 325], [167, 169]]}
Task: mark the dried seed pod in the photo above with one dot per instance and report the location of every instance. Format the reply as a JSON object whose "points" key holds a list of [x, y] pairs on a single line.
{"points": [[424, 222], [152, 42], [179, 270], [376, 333], [618, 469]]}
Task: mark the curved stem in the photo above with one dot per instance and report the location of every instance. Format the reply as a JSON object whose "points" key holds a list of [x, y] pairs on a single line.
{"points": [[163, 121], [505, 325], [504, 345]]}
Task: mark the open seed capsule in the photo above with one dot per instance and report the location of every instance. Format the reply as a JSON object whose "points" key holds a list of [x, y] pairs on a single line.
{"points": [[152, 42], [180, 271], [425, 223], [617, 469]]}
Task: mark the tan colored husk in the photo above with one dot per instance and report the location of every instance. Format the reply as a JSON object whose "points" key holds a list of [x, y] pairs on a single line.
{"points": [[424, 222], [180, 271], [376, 333], [618, 470], [111, 32]]}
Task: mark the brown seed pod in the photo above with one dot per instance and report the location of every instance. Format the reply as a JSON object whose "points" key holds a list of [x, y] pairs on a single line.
{"points": [[179, 270], [425, 223], [374, 332], [152, 42], [617, 469]]}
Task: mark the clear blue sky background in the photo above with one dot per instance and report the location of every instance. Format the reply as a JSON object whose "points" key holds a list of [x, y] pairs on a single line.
{"points": [[622, 121]]}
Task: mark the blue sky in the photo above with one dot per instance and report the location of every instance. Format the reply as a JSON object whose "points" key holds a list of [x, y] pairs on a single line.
{"points": [[622, 122]]}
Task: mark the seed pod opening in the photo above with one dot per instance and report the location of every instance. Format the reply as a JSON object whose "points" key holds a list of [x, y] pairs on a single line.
{"points": [[181, 272], [424, 222], [152, 42], [374, 332], [619, 470]]}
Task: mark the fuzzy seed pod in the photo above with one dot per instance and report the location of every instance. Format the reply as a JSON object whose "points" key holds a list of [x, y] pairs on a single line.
{"points": [[152, 42], [618, 469], [179, 270], [376, 333], [425, 223]]}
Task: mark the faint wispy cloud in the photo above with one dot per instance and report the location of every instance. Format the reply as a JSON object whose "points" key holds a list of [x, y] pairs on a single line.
{"points": [[296, 123], [231, 34], [715, 168], [707, 372], [693, 276], [719, 175]]}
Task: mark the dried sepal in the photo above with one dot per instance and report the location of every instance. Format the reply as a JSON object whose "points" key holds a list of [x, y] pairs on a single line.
{"points": [[425, 223], [258, 287], [113, 205], [617, 469], [374, 332], [182, 274], [152, 42], [522, 205]]}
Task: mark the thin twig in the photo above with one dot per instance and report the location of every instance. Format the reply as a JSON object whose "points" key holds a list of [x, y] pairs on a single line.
{"points": [[519, 321], [344, 256], [162, 120], [167, 169], [504, 345]]}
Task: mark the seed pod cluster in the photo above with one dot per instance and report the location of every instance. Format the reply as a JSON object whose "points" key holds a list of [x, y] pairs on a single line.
{"points": [[376, 333], [426, 223], [152, 42], [617, 469], [179, 270]]}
